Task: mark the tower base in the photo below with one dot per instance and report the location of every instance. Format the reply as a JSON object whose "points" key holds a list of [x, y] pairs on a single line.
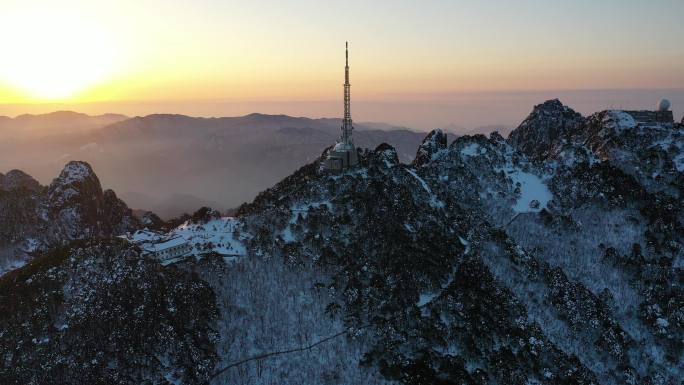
{"points": [[341, 157]]}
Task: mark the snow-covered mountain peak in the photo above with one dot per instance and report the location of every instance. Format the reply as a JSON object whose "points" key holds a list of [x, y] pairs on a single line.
{"points": [[548, 123], [387, 154], [76, 184], [434, 142], [75, 171]]}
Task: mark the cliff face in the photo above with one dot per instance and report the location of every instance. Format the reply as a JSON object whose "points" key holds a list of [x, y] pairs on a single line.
{"points": [[77, 208], [72, 207], [434, 142], [547, 125]]}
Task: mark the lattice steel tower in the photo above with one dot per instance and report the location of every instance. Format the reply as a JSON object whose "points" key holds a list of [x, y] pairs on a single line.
{"points": [[344, 155], [347, 126]]}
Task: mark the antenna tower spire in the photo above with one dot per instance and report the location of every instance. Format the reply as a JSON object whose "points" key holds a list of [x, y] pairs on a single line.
{"points": [[347, 126], [343, 154]]}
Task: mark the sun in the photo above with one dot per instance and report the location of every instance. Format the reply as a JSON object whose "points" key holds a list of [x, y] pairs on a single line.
{"points": [[52, 54]]}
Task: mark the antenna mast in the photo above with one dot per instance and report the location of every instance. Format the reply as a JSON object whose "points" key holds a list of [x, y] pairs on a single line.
{"points": [[343, 154], [347, 121]]}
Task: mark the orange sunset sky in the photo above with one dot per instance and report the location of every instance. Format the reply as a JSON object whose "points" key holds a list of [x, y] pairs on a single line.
{"points": [[232, 57]]}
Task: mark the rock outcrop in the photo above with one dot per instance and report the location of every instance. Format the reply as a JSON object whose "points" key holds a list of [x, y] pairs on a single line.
{"points": [[434, 142], [17, 179], [72, 207], [547, 124]]}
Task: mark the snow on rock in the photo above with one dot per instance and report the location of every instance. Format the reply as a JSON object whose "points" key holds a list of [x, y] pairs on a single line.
{"points": [[464, 243], [532, 189], [298, 210], [676, 147], [387, 154], [579, 294], [434, 143], [574, 155], [434, 201], [142, 236], [9, 264], [77, 183], [619, 120], [75, 172], [545, 125], [472, 149], [679, 162], [426, 298]]}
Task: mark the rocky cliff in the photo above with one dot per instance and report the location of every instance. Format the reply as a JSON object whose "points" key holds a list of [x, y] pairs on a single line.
{"points": [[73, 206]]}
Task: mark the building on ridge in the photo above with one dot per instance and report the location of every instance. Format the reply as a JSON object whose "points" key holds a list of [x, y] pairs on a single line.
{"points": [[662, 114], [344, 154]]}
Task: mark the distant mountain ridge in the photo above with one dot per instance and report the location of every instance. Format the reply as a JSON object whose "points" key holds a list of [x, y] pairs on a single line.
{"points": [[58, 122], [227, 160]]}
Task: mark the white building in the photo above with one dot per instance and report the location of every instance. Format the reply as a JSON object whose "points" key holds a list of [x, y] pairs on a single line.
{"points": [[168, 249], [159, 245]]}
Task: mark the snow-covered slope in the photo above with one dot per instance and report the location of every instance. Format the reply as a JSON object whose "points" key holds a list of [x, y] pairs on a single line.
{"points": [[97, 313], [551, 257], [567, 228]]}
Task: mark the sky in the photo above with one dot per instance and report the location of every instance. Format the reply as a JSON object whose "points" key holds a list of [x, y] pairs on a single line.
{"points": [[411, 61]]}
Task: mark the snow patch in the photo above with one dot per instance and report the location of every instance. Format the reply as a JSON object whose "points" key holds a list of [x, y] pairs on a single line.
{"points": [[532, 188], [303, 210], [75, 172], [472, 149], [662, 323], [464, 243], [619, 120], [427, 297], [434, 201], [222, 236]]}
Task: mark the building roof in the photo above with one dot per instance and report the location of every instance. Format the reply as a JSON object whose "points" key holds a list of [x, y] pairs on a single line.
{"points": [[142, 236], [168, 244]]}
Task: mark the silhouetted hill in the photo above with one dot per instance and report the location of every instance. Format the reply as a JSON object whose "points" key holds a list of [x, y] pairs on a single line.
{"points": [[225, 160], [58, 122]]}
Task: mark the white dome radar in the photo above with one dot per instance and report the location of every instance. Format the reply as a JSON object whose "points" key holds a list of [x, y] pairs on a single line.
{"points": [[663, 105]]}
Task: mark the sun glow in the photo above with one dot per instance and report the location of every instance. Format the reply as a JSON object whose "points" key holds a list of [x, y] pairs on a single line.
{"points": [[54, 54]]}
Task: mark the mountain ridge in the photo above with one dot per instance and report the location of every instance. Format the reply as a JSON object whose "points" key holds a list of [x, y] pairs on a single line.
{"points": [[157, 154], [544, 258], [591, 310]]}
